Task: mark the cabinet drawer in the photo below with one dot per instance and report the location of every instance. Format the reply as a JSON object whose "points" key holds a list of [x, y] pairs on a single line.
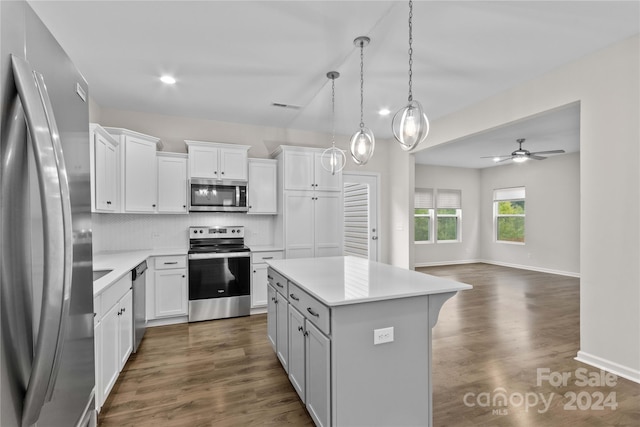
{"points": [[278, 281], [316, 312], [172, 261], [116, 291], [257, 257]]}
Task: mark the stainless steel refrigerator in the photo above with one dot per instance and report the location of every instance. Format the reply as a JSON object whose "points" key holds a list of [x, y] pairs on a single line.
{"points": [[46, 301]]}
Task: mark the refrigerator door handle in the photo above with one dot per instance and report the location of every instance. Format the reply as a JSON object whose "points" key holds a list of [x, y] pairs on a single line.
{"points": [[58, 237]]}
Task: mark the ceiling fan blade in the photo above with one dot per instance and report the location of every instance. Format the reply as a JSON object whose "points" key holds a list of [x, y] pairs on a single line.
{"points": [[533, 156], [504, 160], [496, 157], [549, 152]]}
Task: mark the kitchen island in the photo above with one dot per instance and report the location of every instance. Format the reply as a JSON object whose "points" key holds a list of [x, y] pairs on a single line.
{"points": [[354, 336]]}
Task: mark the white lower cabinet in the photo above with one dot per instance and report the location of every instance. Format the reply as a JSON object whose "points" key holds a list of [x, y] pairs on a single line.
{"points": [[259, 275], [307, 358], [168, 293], [113, 328], [309, 366]]}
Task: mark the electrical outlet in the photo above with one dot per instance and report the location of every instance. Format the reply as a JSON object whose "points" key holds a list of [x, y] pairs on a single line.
{"points": [[381, 336]]}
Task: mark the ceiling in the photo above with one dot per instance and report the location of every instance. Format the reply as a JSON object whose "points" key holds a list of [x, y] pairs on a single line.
{"points": [[233, 59]]}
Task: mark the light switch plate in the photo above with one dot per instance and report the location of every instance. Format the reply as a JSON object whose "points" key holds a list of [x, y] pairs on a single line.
{"points": [[381, 336]]}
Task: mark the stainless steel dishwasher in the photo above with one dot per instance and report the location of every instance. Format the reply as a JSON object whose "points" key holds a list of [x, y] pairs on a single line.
{"points": [[138, 277]]}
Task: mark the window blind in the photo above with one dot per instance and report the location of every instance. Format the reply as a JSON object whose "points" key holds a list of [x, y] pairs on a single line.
{"points": [[423, 198], [514, 193], [356, 220], [449, 199]]}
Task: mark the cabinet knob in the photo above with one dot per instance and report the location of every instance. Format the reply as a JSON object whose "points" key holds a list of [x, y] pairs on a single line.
{"points": [[183, 276], [153, 205], [250, 207], [254, 271], [222, 173], [184, 206], [215, 172]]}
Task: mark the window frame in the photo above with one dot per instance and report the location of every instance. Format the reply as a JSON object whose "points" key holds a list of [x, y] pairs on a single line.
{"points": [[497, 215], [458, 216], [430, 215]]}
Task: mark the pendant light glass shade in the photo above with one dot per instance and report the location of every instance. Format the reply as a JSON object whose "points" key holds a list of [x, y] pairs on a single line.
{"points": [[410, 126], [362, 142], [333, 159], [362, 145]]}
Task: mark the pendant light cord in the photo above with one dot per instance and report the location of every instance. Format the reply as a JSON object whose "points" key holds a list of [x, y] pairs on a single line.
{"points": [[361, 85], [410, 49], [333, 111]]}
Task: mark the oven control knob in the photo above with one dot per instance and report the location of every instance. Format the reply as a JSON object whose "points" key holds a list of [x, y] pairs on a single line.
{"points": [[201, 231], [233, 231]]}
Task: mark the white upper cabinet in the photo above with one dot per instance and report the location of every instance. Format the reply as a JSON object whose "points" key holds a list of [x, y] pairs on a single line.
{"points": [[212, 160], [172, 183], [303, 171], [104, 171], [262, 187], [139, 179]]}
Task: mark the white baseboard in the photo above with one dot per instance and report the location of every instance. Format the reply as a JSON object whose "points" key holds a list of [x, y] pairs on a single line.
{"points": [[609, 366], [528, 267], [167, 321], [439, 263]]}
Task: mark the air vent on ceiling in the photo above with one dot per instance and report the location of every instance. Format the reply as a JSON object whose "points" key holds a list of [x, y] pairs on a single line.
{"points": [[281, 105]]}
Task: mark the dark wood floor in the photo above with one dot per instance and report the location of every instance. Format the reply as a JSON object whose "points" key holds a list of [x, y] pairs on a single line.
{"points": [[488, 341]]}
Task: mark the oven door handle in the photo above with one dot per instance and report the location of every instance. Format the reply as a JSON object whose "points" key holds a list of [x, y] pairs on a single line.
{"points": [[212, 255]]}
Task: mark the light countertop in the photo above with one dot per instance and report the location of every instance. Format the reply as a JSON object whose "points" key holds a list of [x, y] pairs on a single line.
{"points": [[265, 248], [338, 281], [122, 262]]}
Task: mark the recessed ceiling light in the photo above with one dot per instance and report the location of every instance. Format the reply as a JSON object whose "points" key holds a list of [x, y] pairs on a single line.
{"points": [[384, 112], [167, 79]]}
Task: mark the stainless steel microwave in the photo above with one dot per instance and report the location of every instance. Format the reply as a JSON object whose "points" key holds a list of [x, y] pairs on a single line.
{"points": [[217, 196]]}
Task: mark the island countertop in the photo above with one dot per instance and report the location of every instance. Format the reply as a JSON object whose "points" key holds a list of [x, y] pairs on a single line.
{"points": [[338, 281]]}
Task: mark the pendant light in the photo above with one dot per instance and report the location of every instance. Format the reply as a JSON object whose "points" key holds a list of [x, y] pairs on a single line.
{"points": [[333, 159], [410, 124], [362, 142]]}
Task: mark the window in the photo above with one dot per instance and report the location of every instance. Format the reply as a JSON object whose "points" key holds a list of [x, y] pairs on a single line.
{"points": [[509, 214], [423, 215], [449, 215]]}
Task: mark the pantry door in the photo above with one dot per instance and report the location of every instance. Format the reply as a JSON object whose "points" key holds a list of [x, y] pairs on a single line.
{"points": [[361, 215]]}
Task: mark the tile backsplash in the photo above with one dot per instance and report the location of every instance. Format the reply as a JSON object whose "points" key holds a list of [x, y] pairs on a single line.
{"points": [[115, 232]]}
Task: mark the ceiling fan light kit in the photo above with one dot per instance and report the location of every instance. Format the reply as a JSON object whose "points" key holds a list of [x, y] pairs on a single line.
{"points": [[333, 159], [363, 141], [410, 124]]}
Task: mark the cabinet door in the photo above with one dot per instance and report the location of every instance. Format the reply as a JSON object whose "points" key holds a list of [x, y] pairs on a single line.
{"points": [[140, 175], [125, 346], [171, 293], [110, 356], [172, 185], [282, 334], [105, 174], [111, 178], [296, 351], [298, 170], [233, 164], [259, 285], [97, 346], [317, 363], [328, 224], [203, 162], [299, 223], [323, 179], [262, 190], [272, 317]]}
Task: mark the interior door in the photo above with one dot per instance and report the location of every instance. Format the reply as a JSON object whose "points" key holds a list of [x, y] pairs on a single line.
{"points": [[361, 215]]}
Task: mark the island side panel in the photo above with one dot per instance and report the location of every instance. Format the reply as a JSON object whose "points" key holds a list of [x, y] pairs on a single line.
{"points": [[385, 384]]}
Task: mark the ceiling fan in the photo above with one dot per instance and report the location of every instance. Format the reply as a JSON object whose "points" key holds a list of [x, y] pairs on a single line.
{"points": [[522, 155]]}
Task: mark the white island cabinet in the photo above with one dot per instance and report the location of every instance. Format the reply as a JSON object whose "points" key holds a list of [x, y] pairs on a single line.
{"points": [[359, 338]]}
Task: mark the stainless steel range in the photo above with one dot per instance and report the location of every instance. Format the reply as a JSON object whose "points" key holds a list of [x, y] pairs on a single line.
{"points": [[219, 273]]}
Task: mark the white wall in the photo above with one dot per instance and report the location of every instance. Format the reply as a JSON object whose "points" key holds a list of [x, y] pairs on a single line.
{"points": [[552, 223], [467, 180], [607, 86]]}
